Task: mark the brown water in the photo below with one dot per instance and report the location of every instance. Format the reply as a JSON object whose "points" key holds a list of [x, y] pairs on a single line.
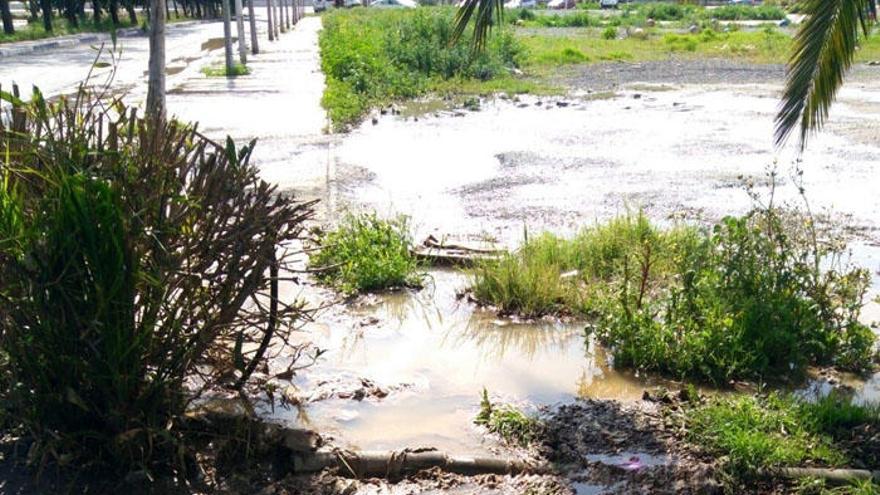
{"points": [[446, 350]]}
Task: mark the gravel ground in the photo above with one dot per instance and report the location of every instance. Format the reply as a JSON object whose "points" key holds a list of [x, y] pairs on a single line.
{"points": [[611, 75]]}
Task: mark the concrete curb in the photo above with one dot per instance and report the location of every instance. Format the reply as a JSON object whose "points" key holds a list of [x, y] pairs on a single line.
{"points": [[27, 47]]}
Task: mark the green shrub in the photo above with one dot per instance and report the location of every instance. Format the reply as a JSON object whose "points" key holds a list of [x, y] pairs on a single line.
{"points": [[507, 422], [745, 13], [576, 19], [367, 253], [125, 269], [372, 56], [759, 298], [609, 33], [751, 433], [666, 11]]}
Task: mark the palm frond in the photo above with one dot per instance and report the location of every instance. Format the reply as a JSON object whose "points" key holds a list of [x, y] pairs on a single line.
{"points": [[824, 49], [486, 12]]}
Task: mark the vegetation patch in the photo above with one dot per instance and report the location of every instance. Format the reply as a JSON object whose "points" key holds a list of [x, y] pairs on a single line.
{"points": [[757, 297], [366, 253], [504, 420], [125, 282], [754, 433], [374, 56], [238, 69]]}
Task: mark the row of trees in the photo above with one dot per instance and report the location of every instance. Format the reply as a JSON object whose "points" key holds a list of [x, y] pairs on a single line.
{"points": [[281, 16], [79, 12]]}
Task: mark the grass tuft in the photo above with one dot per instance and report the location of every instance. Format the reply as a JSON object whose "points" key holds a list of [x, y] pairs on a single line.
{"points": [[238, 69], [512, 425], [367, 253], [752, 433]]}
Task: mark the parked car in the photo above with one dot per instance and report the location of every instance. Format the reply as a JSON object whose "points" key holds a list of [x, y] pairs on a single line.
{"points": [[561, 4], [321, 5], [608, 4], [521, 4], [386, 4], [353, 3]]}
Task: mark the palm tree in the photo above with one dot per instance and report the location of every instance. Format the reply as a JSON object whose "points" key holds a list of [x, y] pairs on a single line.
{"points": [[485, 14], [824, 49]]}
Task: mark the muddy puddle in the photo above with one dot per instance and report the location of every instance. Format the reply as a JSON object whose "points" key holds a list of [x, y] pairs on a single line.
{"points": [[549, 164], [430, 354]]}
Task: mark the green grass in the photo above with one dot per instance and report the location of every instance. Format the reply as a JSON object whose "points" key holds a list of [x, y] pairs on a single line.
{"points": [[743, 301], [367, 253], [752, 433], [529, 282], [511, 424], [596, 45], [238, 69], [374, 56]]}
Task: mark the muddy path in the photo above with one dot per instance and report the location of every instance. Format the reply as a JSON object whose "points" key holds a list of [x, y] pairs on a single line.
{"points": [[678, 145]]}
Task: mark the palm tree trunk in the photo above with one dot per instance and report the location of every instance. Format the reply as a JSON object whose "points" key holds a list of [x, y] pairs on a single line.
{"points": [[6, 15], [255, 48], [46, 5], [96, 11], [269, 20], [113, 8], [156, 81], [132, 15], [275, 18], [242, 43], [227, 37]]}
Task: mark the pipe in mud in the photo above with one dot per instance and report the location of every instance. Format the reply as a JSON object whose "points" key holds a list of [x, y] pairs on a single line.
{"points": [[394, 464]]}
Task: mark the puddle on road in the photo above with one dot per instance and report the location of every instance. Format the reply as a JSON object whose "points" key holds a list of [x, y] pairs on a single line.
{"points": [[513, 167], [445, 351]]}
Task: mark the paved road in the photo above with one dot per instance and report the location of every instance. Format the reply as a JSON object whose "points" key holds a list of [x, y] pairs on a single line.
{"points": [[278, 103]]}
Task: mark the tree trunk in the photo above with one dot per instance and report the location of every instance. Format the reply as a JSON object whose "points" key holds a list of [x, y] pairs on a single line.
{"points": [[132, 15], [113, 8], [47, 15], [275, 18], [269, 20], [242, 42], [252, 18], [227, 37], [6, 15], [70, 11], [156, 81], [96, 11]]}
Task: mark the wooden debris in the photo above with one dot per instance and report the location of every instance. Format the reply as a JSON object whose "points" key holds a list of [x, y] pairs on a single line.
{"points": [[446, 253], [837, 476]]}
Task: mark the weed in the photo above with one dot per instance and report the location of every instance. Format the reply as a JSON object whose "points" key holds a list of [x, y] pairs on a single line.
{"points": [[367, 253], [127, 273], [373, 56], [609, 33], [238, 69], [752, 433], [507, 422]]}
